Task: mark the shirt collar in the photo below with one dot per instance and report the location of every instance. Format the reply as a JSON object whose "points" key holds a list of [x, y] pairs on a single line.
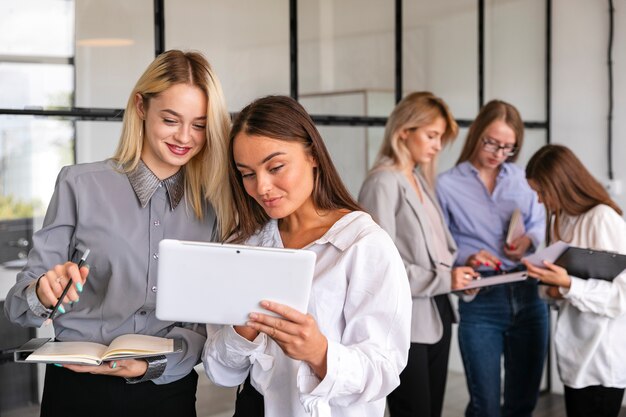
{"points": [[145, 183], [467, 167], [341, 235]]}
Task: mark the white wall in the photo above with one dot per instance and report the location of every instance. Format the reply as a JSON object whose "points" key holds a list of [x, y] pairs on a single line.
{"points": [[580, 84]]}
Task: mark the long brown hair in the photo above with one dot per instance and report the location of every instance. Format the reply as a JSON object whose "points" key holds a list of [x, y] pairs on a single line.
{"points": [[565, 185], [206, 172], [413, 111], [283, 118], [492, 111]]}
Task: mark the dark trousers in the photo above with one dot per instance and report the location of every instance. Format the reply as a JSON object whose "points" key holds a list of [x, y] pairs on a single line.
{"points": [[509, 321], [423, 381], [72, 394], [593, 401], [249, 402]]}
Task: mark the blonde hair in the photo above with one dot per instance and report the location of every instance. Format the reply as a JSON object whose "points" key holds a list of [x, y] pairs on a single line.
{"points": [[413, 111], [206, 174]]}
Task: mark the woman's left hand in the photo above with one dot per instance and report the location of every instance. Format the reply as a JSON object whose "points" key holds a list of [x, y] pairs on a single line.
{"points": [[517, 248], [128, 368], [552, 274], [296, 333]]}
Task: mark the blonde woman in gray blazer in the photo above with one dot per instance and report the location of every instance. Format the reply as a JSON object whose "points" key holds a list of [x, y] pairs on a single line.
{"points": [[398, 194]]}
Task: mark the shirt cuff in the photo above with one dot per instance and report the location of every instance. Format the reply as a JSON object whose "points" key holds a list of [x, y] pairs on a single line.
{"points": [[237, 342], [577, 287], [343, 376], [33, 301], [156, 367]]}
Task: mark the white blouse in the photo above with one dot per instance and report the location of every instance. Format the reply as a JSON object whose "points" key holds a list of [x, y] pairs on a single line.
{"points": [[361, 301], [590, 334]]}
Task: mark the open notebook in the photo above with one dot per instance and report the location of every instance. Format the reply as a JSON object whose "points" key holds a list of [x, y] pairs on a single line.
{"points": [[127, 346]]}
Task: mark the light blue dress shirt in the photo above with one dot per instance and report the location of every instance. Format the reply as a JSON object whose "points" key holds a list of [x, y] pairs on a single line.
{"points": [[480, 220]]}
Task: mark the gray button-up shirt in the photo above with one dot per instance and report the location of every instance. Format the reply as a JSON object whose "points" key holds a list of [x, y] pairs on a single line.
{"points": [[121, 219]]}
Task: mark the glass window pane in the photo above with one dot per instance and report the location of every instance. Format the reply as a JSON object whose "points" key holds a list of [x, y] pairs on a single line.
{"points": [[533, 140], [96, 140], [440, 48], [32, 151], [348, 148], [515, 51], [345, 46], [114, 44], [36, 85], [246, 42], [37, 27]]}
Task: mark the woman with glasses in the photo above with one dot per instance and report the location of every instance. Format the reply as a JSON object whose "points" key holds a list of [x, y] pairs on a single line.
{"points": [[399, 194], [478, 197]]}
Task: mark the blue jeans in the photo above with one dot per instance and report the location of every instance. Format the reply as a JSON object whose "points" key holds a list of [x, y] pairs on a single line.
{"points": [[509, 320]]}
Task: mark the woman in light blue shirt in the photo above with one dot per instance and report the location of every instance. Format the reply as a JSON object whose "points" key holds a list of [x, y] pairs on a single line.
{"points": [[171, 155], [478, 197]]}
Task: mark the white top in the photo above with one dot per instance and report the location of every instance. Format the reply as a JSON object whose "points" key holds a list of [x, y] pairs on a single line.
{"points": [[362, 303], [590, 334]]}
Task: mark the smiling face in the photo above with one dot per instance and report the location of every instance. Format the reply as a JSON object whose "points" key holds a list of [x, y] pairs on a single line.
{"points": [[424, 142], [278, 174], [497, 133], [174, 128]]}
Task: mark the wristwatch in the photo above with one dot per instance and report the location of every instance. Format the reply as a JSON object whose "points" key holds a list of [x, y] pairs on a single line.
{"points": [[156, 367]]}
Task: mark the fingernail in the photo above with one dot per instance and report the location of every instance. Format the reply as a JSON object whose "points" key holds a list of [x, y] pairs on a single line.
{"points": [[113, 365], [87, 266], [265, 304], [499, 263], [253, 316], [62, 310], [513, 247], [58, 364], [486, 263], [79, 287]]}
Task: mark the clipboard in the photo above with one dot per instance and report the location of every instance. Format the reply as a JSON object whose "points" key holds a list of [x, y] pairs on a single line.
{"points": [[592, 264], [496, 280]]}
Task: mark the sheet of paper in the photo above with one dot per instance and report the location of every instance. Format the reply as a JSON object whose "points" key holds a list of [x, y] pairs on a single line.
{"points": [[550, 254]]}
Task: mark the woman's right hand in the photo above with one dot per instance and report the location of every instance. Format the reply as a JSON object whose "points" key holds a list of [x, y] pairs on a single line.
{"points": [[51, 284], [462, 276], [484, 258]]}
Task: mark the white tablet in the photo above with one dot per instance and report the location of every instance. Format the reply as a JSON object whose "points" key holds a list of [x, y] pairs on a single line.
{"points": [[201, 282]]}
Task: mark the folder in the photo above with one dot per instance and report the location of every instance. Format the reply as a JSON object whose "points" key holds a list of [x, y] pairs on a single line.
{"points": [[594, 264], [581, 262]]}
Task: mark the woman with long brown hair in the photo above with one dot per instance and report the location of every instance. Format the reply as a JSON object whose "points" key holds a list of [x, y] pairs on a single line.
{"points": [[344, 355], [590, 338], [478, 197], [399, 194]]}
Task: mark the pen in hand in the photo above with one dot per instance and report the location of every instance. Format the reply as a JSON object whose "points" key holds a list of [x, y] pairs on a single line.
{"points": [[67, 287]]}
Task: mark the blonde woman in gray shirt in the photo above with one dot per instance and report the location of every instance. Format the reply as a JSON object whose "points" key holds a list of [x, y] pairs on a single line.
{"points": [[166, 180]]}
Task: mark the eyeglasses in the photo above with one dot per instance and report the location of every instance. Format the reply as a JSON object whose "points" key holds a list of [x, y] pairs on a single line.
{"points": [[492, 146]]}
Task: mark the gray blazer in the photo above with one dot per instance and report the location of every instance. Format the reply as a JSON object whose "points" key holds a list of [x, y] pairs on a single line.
{"points": [[393, 203]]}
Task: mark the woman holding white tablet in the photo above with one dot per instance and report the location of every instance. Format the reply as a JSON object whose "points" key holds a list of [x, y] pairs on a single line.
{"points": [[344, 355]]}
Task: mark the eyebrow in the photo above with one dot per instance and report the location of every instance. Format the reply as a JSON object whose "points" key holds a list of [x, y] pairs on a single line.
{"points": [[173, 113], [500, 143], [267, 158]]}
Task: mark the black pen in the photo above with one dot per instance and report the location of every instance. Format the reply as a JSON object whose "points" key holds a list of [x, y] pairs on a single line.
{"points": [[67, 287]]}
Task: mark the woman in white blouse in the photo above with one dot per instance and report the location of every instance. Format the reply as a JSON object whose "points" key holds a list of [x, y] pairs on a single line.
{"points": [[590, 334], [343, 356]]}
